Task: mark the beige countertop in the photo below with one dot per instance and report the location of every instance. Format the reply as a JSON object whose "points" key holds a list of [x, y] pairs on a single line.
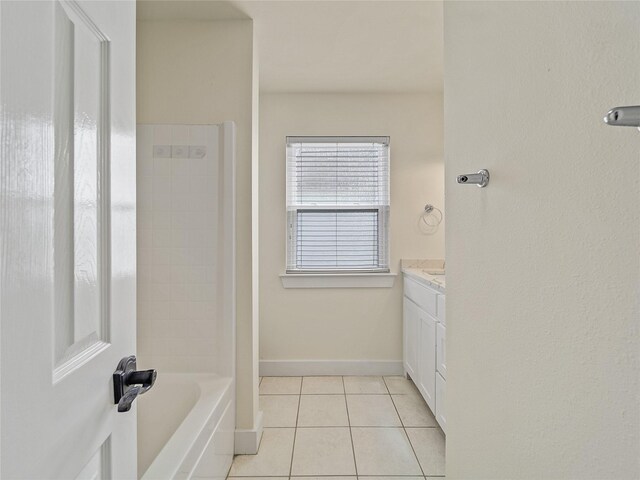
{"points": [[433, 281], [416, 269]]}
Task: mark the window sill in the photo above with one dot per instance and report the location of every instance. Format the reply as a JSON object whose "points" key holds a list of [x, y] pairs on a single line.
{"points": [[338, 280]]}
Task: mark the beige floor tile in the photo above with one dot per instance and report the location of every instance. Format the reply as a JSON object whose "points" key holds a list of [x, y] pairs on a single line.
{"points": [[360, 477], [323, 411], [323, 451], [280, 385], [279, 410], [372, 411], [429, 444], [322, 385], [324, 478], [259, 478], [401, 385], [273, 458], [414, 411], [364, 384], [384, 451]]}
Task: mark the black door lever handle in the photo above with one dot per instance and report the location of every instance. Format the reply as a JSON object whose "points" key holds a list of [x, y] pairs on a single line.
{"points": [[124, 405], [128, 383], [146, 378]]}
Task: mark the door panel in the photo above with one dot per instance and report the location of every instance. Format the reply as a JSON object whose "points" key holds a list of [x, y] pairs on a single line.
{"points": [[67, 232], [81, 208]]}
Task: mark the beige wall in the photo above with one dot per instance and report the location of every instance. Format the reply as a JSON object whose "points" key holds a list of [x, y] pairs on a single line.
{"points": [[346, 324], [543, 346], [202, 72]]}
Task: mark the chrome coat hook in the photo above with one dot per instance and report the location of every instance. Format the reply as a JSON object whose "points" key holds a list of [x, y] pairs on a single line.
{"points": [[481, 179]]}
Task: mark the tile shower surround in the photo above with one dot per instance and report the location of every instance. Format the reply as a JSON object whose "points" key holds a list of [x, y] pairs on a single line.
{"points": [[177, 218]]}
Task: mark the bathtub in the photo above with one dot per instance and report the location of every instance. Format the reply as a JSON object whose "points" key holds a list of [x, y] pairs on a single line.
{"points": [[186, 427]]}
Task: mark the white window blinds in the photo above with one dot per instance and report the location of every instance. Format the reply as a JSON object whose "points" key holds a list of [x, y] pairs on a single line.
{"points": [[337, 204]]}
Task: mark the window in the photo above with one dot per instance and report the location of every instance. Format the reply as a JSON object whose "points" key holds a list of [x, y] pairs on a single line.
{"points": [[337, 204]]}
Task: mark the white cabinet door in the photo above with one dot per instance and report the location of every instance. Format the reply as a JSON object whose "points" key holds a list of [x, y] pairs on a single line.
{"points": [[411, 320], [67, 237], [441, 402], [427, 359], [441, 360]]}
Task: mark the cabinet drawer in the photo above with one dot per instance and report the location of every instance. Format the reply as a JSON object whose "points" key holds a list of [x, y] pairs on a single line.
{"points": [[441, 309], [422, 296], [441, 360]]}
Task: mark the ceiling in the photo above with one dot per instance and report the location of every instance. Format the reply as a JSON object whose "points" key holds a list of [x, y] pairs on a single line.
{"points": [[331, 46]]}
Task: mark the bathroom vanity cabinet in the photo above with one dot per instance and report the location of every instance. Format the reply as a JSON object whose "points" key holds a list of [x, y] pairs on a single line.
{"points": [[424, 335]]}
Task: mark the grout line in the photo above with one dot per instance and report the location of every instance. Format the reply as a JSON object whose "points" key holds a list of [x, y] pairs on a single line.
{"points": [[353, 447], [270, 394], [321, 394], [333, 476], [295, 432], [360, 394], [404, 429], [337, 393], [356, 426]]}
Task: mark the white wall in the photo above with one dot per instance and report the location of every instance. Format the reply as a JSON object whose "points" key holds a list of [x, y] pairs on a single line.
{"points": [[543, 265], [201, 72], [346, 324]]}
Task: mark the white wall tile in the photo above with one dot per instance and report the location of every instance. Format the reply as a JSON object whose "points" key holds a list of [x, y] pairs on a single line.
{"points": [[144, 167], [144, 142], [143, 218], [144, 238], [161, 219], [162, 184], [198, 134], [144, 193], [144, 256], [162, 166], [180, 135], [162, 134], [161, 237]]}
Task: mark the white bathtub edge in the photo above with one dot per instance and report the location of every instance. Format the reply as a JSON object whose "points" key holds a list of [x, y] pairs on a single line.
{"points": [[215, 394], [248, 441]]}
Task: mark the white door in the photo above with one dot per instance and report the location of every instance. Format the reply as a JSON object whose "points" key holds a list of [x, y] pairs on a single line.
{"points": [[67, 237], [543, 265]]}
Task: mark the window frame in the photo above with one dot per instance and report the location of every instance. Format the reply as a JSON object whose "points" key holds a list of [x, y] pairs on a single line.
{"points": [[383, 214]]}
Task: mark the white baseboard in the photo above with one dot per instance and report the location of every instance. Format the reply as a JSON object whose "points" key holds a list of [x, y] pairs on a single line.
{"points": [[295, 368], [247, 442]]}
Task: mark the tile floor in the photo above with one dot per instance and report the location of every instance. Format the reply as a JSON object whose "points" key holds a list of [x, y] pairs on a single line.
{"points": [[344, 427]]}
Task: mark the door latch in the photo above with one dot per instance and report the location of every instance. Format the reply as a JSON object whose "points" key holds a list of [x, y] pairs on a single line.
{"points": [[128, 383]]}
